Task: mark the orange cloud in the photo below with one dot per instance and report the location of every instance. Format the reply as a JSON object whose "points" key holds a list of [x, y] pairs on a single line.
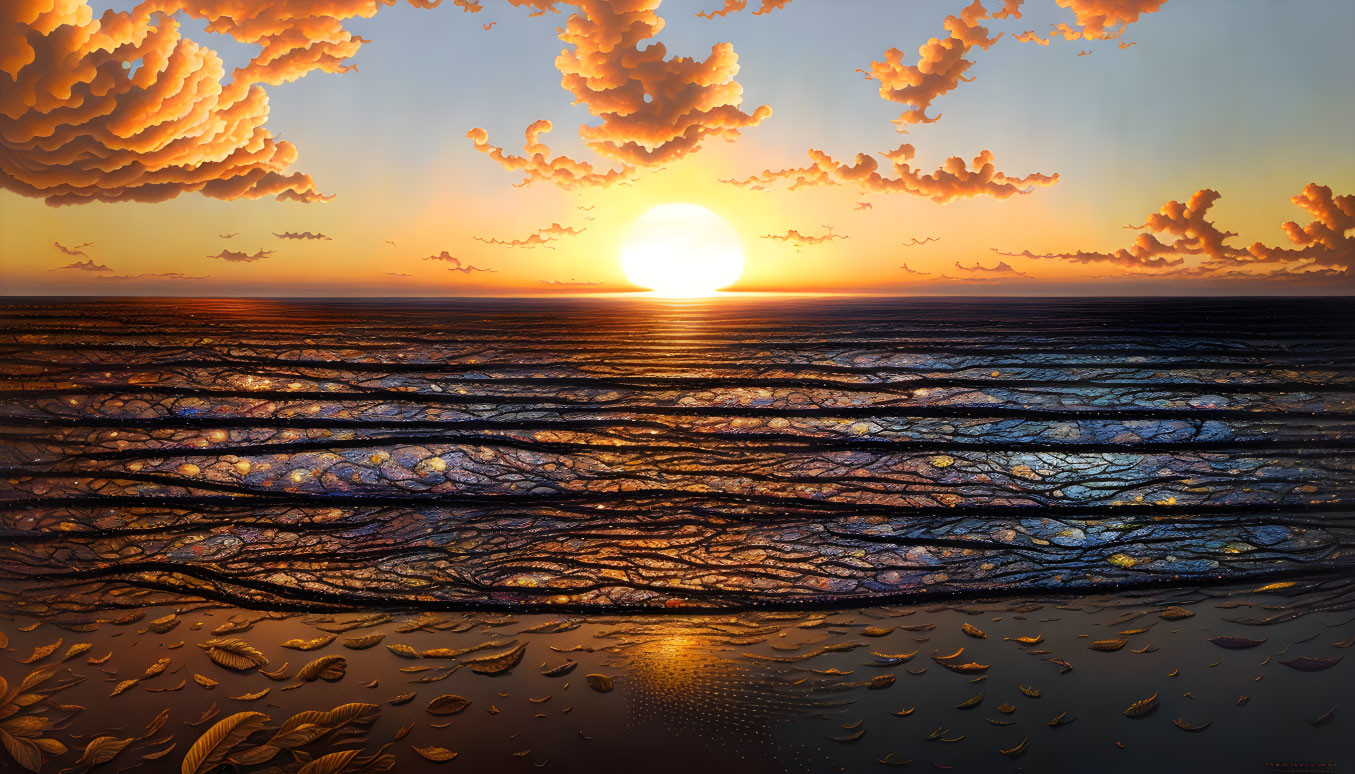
{"points": [[940, 67], [240, 257], [122, 108], [1103, 19], [954, 180], [456, 264], [573, 283], [541, 238], [734, 6], [1029, 36], [1325, 248], [803, 239], [653, 108], [1325, 241], [537, 163]]}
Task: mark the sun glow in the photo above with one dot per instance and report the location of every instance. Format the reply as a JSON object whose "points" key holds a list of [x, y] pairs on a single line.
{"points": [[682, 251]]}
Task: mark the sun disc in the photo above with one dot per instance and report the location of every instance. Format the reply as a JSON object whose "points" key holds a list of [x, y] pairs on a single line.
{"points": [[682, 251]]}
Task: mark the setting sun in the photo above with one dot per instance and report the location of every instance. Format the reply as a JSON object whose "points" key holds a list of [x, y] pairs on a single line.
{"points": [[682, 251]]}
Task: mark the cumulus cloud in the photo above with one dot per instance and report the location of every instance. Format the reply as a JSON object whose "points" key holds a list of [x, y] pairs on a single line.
{"points": [[74, 252], [299, 235], [1029, 36], [941, 63], [240, 257], [1189, 223], [1324, 246], [1325, 241], [540, 238], [89, 265], [1103, 19], [954, 180], [652, 108], [456, 264], [734, 6], [123, 108], [804, 239]]}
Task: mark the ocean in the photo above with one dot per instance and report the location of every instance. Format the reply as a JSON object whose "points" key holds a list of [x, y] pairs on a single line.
{"points": [[762, 520]]}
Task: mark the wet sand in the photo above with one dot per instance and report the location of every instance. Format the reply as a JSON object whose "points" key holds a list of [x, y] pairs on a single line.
{"points": [[757, 692]]}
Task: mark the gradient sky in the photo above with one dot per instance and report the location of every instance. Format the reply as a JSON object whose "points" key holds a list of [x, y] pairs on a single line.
{"points": [[1249, 99]]}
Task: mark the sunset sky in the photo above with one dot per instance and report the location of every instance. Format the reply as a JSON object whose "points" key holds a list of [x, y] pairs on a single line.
{"points": [[1137, 146]]}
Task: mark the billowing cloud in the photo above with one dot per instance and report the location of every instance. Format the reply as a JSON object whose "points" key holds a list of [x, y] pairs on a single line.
{"points": [[954, 180], [804, 239], [1029, 36], [941, 63], [653, 108], [734, 6], [123, 108], [299, 235], [456, 264], [1324, 247], [1103, 19], [541, 238], [241, 257], [89, 265], [74, 252], [1325, 241]]}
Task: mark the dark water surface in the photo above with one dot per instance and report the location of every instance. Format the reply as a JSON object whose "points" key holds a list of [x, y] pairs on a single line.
{"points": [[651, 483]]}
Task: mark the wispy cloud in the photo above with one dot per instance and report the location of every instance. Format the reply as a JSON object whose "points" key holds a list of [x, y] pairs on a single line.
{"points": [[734, 6], [571, 283], [299, 235], [540, 238], [799, 239], [74, 252], [168, 275], [1002, 269], [456, 264], [954, 180], [89, 265], [240, 257]]}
